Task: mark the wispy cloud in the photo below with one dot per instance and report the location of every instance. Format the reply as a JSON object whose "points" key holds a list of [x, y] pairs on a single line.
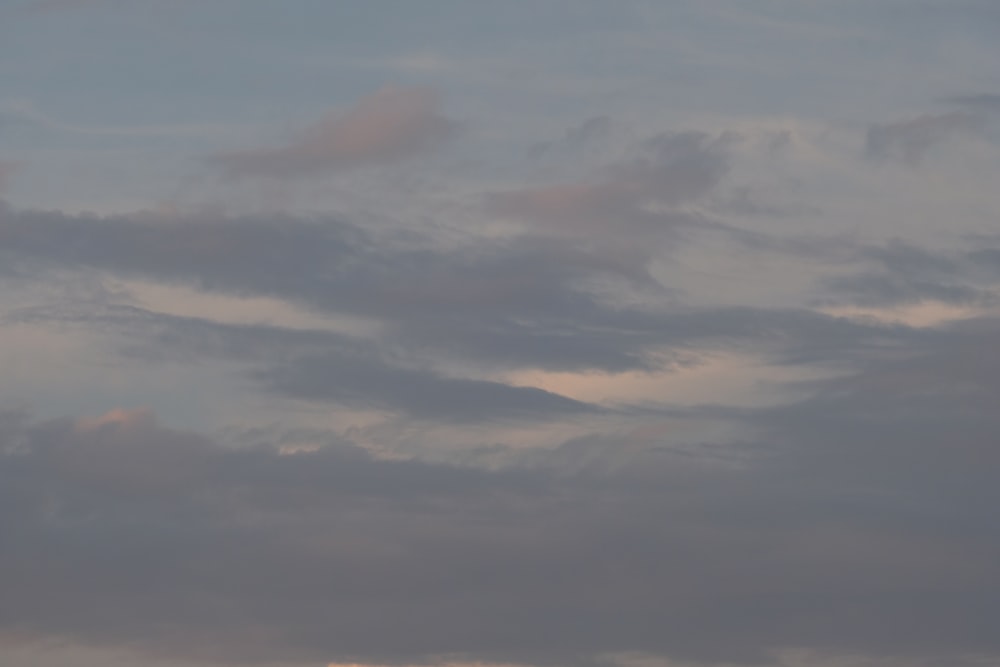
{"points": [[633, 200], [911, 139], [685, 354], [988, 102], [389, 125]]}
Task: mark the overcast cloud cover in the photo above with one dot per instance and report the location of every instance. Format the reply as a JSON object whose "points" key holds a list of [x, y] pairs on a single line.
{"points": [[534, 333]]}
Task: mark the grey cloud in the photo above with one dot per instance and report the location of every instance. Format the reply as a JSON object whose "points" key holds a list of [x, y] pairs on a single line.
{"points": [[548, 289], [793, 336], [985, 255], [419, 393], [325, 263], [899, 256], [910, 140], [908, 274], [677, 167], [213, 252], [863, 518], [643, 340], [7, 169], [987, 102], [389, 125], [635, 198], [547, 298], [397, 373], [314, 365], [524, 302], [855, 522], [593, 130], [679, 335], [917, 428], [844, 522], [884, 289]]}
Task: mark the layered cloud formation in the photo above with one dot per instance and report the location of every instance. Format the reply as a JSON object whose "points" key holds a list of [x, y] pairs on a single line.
{"points": [[532, 360], [199, 551]]}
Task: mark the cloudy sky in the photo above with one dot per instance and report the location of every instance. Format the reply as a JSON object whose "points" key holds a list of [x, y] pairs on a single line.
{"points": [[534, 333]]}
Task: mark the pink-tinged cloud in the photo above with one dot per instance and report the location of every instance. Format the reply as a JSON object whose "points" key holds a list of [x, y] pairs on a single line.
{"points": [[639, 195], [391, 124], [130, 419]]}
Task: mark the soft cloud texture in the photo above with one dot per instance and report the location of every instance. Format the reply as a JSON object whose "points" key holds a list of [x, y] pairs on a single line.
{"points": [[252, 555], [909, 140], [7, 170], [678, 350], [386, 126], [637, 196]]}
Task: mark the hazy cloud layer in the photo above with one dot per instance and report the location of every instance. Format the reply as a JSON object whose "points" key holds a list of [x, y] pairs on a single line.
{"points": [[7, 169], [903, 274], [314, 365], [909, 140], [527, 301], [535, 286], [852, 524], [600, 334], [987, 102]]}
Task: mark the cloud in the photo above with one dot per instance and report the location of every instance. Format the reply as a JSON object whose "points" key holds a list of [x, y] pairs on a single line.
{"points": [[839, 522], [984, 102], [391, 124], [859, 517], [314, 365], [887, 428], [585, 406], [637, 196], [397, 375], [591, 131], [420, 394], [488, 305], [910, 140], [537, 289], [7, 169], [907, 274], [888, 290], [475, 306]]}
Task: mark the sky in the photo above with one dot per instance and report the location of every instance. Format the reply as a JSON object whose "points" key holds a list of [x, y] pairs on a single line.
{"points": [[549, 333]]}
